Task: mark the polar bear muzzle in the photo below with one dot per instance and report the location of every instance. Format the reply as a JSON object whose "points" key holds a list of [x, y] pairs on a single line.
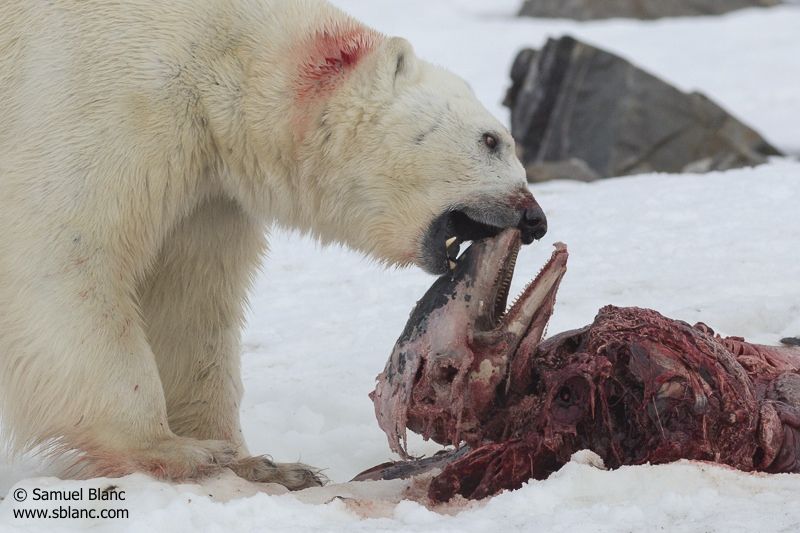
{"points": [[442, 240]]}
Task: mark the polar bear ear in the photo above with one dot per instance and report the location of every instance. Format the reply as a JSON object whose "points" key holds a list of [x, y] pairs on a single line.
{"points": [[401, 59]]}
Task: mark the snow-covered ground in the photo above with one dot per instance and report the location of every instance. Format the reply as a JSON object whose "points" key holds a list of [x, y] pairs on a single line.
{"points": [[723, 248]]}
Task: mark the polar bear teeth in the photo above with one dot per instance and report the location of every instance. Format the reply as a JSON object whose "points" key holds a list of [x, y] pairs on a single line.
{"points": [[452, 247]]}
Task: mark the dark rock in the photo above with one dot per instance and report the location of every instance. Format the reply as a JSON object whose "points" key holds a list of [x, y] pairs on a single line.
{"points": [[639, 9], [572, 169], [578, 109]]}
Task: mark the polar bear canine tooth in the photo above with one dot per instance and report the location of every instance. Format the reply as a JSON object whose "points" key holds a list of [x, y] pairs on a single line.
{"points": [[452, 247]]}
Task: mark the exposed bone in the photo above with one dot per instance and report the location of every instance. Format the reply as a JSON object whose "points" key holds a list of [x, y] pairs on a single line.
{"points": [[672, 389]]}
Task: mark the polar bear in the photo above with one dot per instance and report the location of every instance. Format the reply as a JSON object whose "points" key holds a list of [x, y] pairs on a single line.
{"points": [[145, 149]]}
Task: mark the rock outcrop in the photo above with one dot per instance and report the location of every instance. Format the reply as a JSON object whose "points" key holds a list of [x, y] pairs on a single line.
{"points": [[639, 9], [583, 113]]}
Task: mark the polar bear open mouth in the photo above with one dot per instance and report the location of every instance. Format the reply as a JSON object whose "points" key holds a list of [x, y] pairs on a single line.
{"points": [[442, 242]]}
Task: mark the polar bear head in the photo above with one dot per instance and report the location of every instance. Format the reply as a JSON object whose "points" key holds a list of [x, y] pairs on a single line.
{"points": [[396, 157]]}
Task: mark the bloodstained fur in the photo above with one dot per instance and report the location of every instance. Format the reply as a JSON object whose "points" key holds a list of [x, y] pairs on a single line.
{"points": [[330, 55]]}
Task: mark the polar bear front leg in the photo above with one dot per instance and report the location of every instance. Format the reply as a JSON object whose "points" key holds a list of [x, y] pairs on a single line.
{"points": [[76, 370], [193, 303]]}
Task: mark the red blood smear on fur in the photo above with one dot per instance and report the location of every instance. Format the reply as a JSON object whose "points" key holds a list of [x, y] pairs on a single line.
{"points": [[330, 56], [522, 199]]}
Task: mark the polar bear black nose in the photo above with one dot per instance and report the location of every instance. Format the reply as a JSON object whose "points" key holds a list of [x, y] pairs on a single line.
{"points": [[533, 224]]}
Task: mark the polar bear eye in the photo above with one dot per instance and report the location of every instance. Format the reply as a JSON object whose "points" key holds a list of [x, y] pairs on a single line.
{"points": [[490, 141]]}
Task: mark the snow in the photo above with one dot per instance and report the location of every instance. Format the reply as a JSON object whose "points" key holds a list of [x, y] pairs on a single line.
{"points": [[721, 248]]}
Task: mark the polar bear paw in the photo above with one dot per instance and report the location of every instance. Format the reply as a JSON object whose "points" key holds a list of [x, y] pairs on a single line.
{"points": [[293, 476], [174, 459]]}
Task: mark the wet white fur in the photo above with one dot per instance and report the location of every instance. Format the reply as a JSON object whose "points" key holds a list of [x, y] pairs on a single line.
{"points": [[145, 148]]}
